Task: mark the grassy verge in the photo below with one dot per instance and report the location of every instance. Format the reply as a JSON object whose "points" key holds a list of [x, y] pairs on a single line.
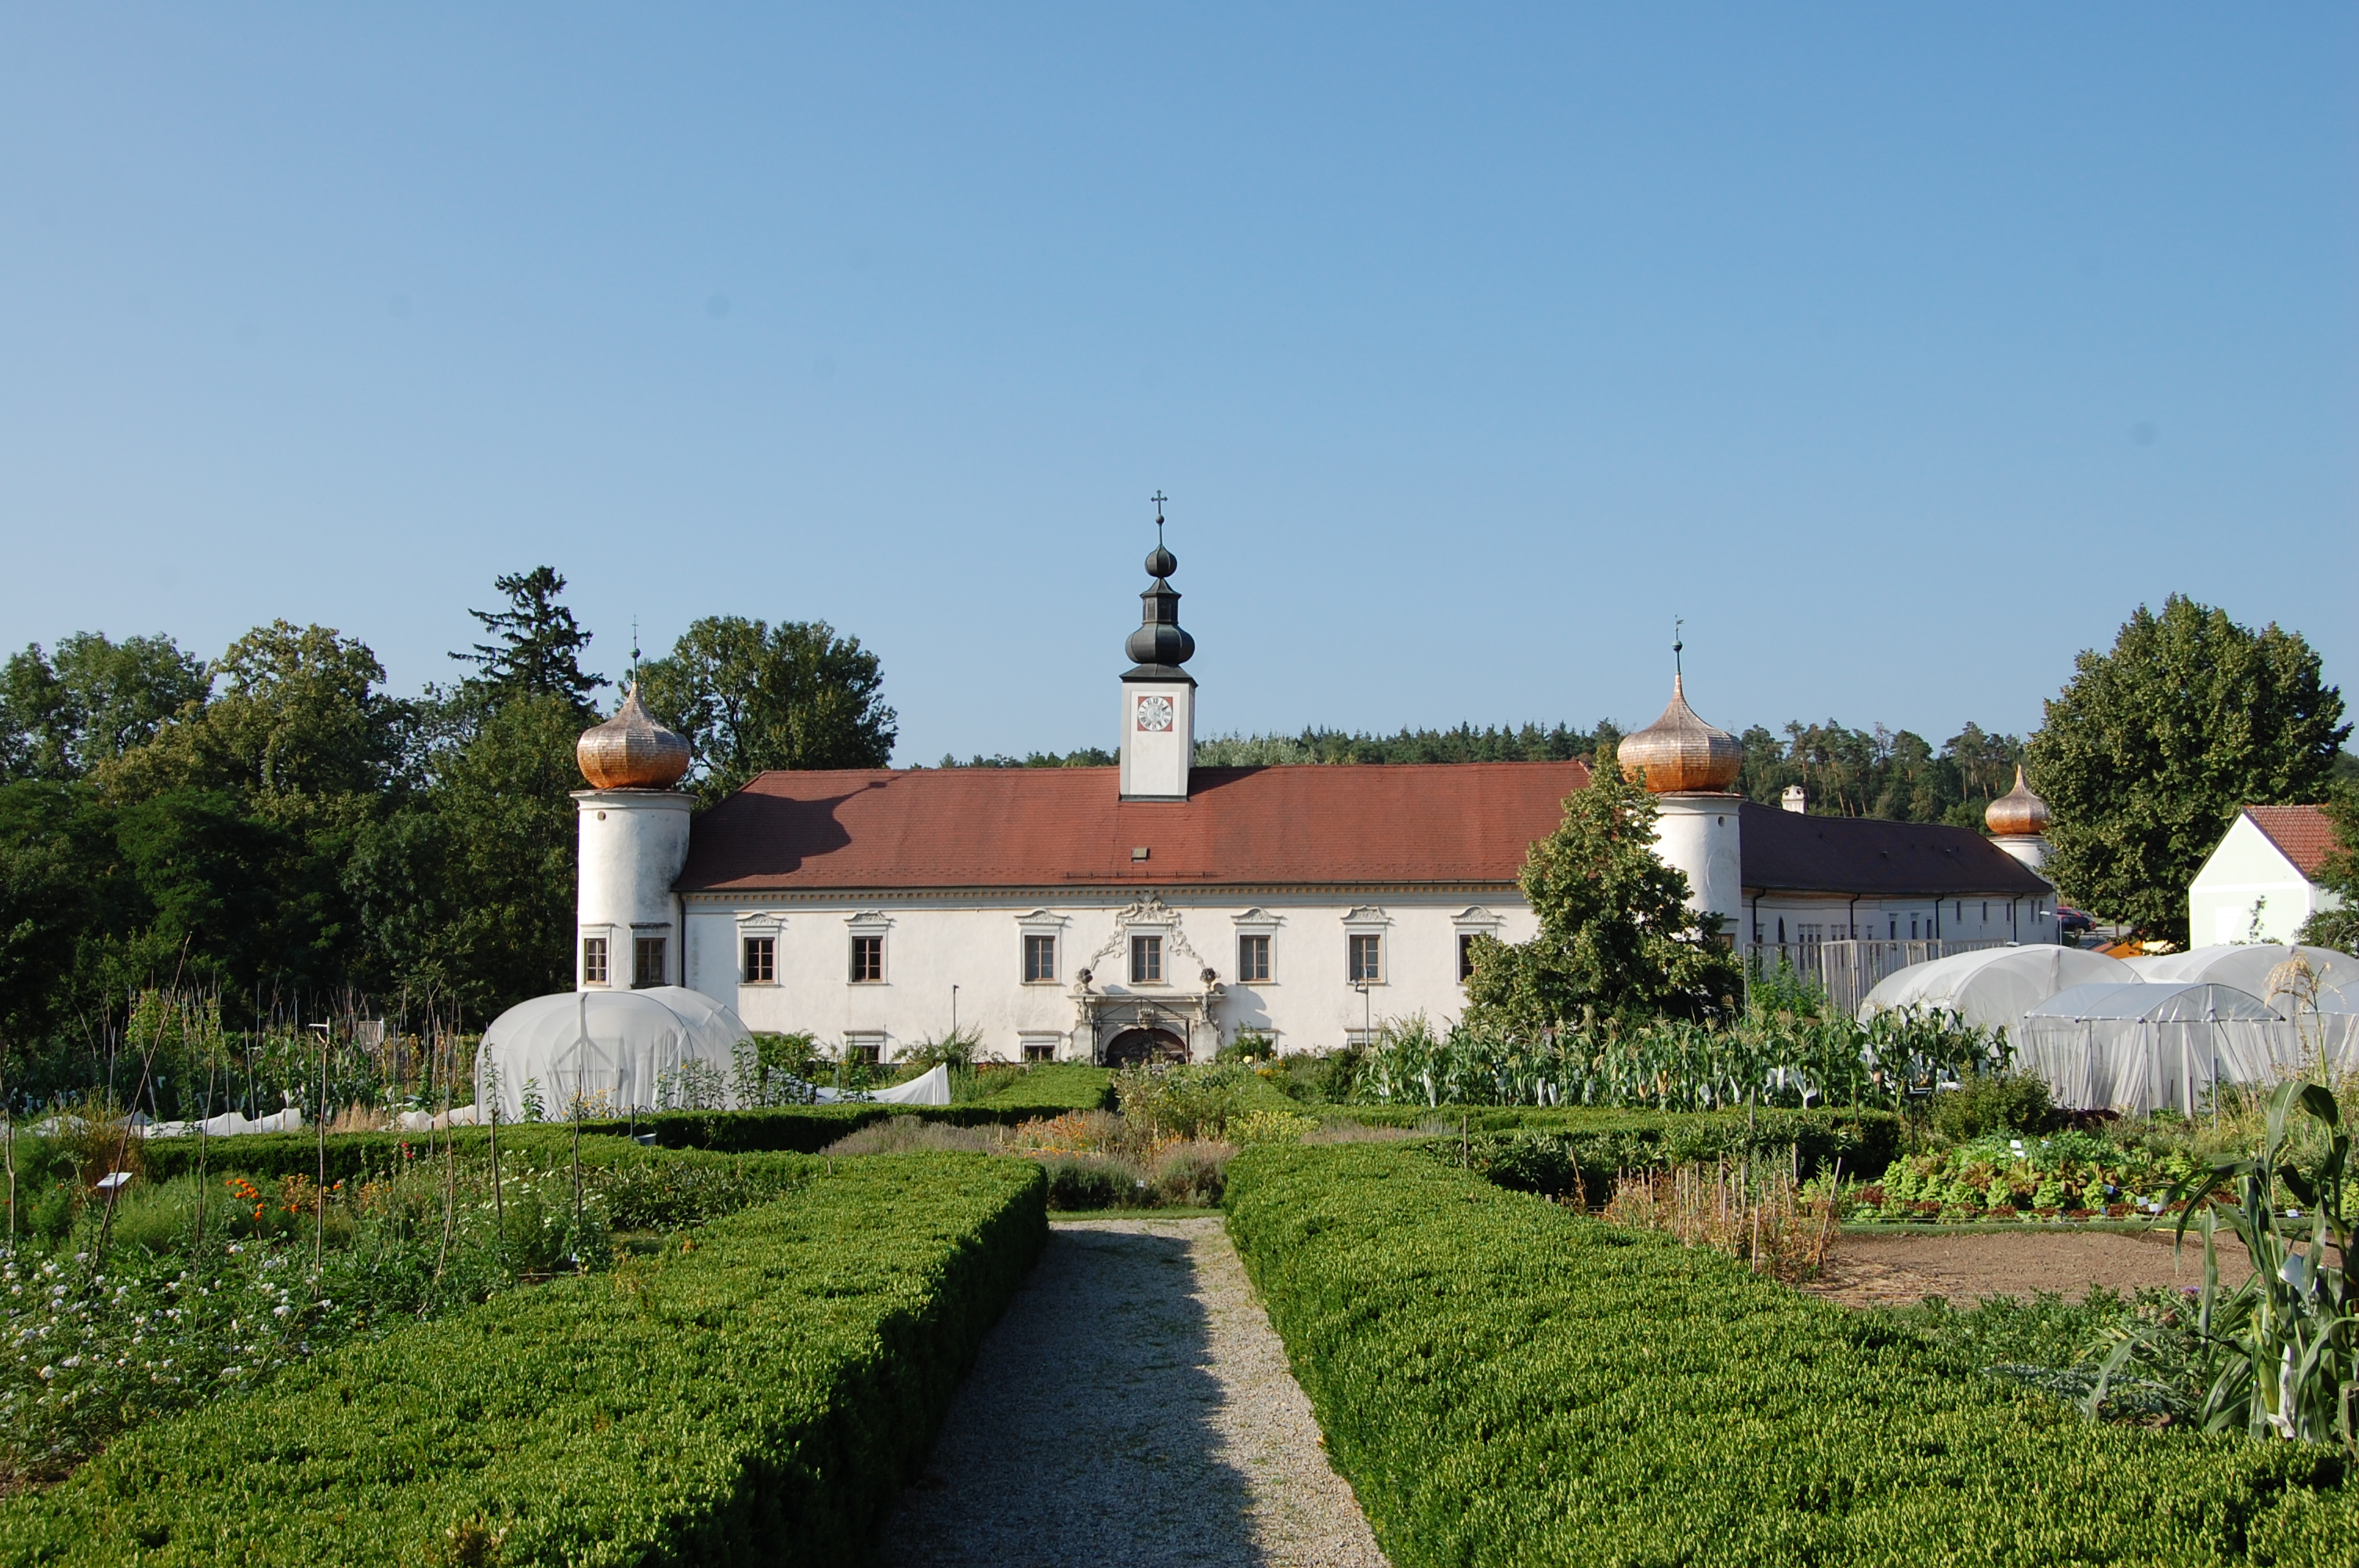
{"points": [[1505, 1381], [757, 1396]]}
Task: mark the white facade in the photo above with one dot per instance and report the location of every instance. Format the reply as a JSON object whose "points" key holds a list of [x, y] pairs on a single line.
{"points": [[634, 843], [984, 943], [2249, 891], [1782, 919]]}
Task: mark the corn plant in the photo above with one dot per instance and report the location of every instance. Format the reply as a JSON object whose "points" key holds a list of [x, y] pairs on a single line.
{"points": [[2276, 1351]]}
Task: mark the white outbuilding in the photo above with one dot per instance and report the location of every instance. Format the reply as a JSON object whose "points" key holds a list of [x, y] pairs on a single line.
{"points": [[1991, 987], [2260, 882]]}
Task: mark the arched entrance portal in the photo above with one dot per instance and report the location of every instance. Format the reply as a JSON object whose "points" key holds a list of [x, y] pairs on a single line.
{"points": [[1133, 1047]]}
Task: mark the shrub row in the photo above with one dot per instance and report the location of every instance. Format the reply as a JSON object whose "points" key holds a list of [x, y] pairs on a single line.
{"points": [[1048, 1090], [758, 1397], [1505, 1381]]}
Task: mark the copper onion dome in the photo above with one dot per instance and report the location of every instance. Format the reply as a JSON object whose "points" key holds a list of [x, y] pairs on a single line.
{"points": [[2018, 814], [631, 750], [1680, 753]]}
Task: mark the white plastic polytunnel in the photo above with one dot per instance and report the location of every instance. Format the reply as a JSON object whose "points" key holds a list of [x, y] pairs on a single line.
{"points": [[2263, 969], [610, 1051], [1990, 988], [2137, 1047]]}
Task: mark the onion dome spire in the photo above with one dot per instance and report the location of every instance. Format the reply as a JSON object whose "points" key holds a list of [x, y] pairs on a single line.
{"points": [[1680, 753], [1160, 647], [631, 750], [2018, 814]]}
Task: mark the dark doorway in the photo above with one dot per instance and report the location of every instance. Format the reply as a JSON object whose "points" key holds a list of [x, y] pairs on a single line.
{"points": [[1134, 1046]]}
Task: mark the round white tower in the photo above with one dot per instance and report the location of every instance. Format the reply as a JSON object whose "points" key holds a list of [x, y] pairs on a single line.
{"points": [[633, 844], [1687, 766], [2018, 823]]}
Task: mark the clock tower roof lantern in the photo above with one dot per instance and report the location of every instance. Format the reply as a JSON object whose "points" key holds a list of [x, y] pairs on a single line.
{"points": [[1159, 646]]}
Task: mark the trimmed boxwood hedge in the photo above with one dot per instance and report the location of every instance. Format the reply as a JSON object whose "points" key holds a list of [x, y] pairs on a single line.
{"points": [[760, 1397], [1048, 1090], [1505, 1381]]}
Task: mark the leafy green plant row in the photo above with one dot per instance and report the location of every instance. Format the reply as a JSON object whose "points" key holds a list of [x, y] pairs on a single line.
{"points": [[1505, 1381], [759, 1396], [1563, 1151]]}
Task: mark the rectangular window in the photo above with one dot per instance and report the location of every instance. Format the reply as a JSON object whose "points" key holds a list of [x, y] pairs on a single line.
{"points": [[647, 961], [1465, 957], [868, 1048], [1367, 960], [867, 959], [1039, 1047], [594, 960], [761, 960], [1146, 960], [1253, 959], [1039, 960]]}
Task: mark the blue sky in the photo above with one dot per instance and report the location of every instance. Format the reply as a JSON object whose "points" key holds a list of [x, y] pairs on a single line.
{"points": [[1902, 350]]}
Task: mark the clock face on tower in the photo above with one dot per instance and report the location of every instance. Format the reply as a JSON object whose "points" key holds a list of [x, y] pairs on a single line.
{"points": [[1154, 714]]}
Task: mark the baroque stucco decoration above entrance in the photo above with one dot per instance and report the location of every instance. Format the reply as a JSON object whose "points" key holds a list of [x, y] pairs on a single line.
{"points": [[1157, 918], [1182, 1007]]}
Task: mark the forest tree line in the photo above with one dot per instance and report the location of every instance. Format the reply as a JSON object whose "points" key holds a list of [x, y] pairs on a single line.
{"points": [[273, 829]]}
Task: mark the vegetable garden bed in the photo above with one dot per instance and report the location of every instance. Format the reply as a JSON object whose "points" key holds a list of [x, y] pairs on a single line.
{"points": [[1505, 1381]]}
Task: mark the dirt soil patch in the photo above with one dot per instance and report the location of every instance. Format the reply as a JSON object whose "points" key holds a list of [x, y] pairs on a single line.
{"points": [[1902, 1270]]}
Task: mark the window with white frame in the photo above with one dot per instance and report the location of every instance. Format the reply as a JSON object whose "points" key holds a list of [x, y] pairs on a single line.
{"points": [[863, 1048], [1253, 959], [760, 965], [594, 960], [1147, 960], [867, 959], [647, 961], [1040, 1047], [1039, 960], [1367, 958]]}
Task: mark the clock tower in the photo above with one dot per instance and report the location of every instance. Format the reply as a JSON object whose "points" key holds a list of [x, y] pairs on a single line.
{"points": [[1159, 698]]}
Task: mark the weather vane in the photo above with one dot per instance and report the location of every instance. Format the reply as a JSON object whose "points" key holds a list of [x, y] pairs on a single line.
{"points": [[1677, 621], [635, 650]]}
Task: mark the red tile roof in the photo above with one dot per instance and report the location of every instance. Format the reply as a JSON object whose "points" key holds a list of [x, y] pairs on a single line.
{"points": [[1049, 827], [2304, 833]]}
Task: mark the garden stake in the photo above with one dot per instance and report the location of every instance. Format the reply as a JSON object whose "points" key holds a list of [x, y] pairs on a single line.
{"points": [[499, 1212], [9, 1133], [320, 1189]]}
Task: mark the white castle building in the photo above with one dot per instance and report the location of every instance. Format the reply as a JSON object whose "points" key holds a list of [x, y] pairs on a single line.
{"points": [[1156, 909]]}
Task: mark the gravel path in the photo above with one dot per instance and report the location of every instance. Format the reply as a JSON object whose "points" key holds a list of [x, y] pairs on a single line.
{"points": [[1132, 1407]]}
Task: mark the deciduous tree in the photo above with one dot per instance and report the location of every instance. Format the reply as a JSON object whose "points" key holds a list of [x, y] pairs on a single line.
{"points": [[1616, 934], [2339, 928], [2149, 751], [750, 697]]}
